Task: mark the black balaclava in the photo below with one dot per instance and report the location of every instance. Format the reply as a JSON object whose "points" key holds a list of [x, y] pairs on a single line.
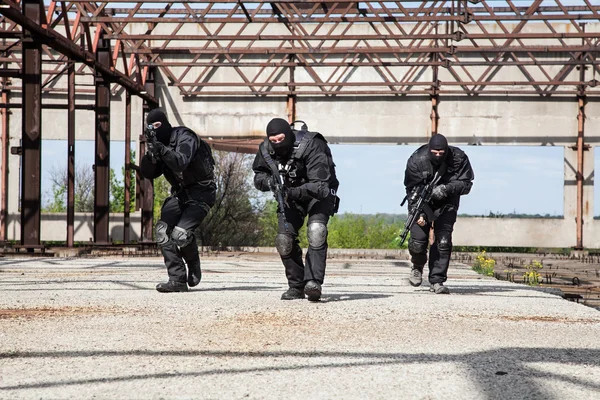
{"points": [[438, 142], [163, 134], [277, 126]]}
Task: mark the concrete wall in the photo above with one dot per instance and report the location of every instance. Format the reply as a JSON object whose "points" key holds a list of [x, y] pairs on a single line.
{"points": [[54, 227]]}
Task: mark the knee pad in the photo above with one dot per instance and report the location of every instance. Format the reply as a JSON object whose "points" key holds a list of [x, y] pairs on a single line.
{"points": [[182, 237], [317, 234], [417, 246], [162, 233], [444, 243], [284, 244]]}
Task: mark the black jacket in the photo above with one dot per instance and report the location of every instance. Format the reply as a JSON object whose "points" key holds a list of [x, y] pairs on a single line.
{"points": [[313, 172], [458, 177], [185, 161]]}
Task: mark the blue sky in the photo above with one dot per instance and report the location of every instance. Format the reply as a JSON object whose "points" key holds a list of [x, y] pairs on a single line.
{"points": [[507, 178]]}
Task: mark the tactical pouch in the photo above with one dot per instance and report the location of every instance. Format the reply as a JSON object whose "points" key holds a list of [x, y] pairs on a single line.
{"points": [[336, 204]]}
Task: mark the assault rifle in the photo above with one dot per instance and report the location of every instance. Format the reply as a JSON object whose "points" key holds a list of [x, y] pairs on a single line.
{"points": [[279, 189], [150, 134], [420, 197]]}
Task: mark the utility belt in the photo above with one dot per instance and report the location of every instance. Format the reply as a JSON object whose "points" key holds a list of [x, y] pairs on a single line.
{"points": [[184, 188]]}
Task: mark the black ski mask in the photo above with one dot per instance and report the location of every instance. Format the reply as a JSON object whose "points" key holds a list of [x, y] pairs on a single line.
{"points": [[438, 142], [163, 133], [274, 128]]}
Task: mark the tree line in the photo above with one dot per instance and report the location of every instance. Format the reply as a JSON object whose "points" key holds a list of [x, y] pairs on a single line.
{"points": [[241, 216]]}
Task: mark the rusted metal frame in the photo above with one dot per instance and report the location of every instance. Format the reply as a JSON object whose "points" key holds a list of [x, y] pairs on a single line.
{"points": [[369, 56], [228, 57], [356, 17], [384, 50], [456, 62], [65, 18], [264, 26], [167, 71], [396, 83], [577, 27], [146, 185], [278, 70], [514, 57], [346, 67], [546, 74], [5, 98], [329, 80], [61, 44], [102, 146], [242, 28], [527, 74], [71, 156], [203, 73], [466, 36], [311, 72], [113, 27], [420, 27], [565, 71], [397, 25], [412, 71], [31, 128], [407, 10], [127, 177], [531, 10], [387, 92]]}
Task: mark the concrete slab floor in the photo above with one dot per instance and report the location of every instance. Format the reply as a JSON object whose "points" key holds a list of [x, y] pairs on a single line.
{"points": [[96, 328]]}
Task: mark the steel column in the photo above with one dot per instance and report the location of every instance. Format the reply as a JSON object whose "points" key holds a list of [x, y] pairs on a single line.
{"points": [[127, 178], [5, 146], [102, 158], [71, 156], [31, 129], [146, 185]]}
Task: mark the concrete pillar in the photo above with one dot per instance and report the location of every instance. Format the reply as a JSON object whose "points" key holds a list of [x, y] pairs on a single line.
{"points": [[570, 196]]}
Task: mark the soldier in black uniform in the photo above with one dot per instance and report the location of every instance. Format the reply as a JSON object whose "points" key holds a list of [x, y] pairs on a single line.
{"points": [[187, 164], [457, 178], [303, 161]]}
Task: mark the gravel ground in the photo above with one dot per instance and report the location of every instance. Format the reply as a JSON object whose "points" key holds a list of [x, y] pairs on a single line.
{"points": [[96, 328]]}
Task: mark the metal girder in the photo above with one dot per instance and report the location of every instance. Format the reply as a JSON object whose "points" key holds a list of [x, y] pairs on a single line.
{"points": [[102, 153], [31, 127], [251, 44]]}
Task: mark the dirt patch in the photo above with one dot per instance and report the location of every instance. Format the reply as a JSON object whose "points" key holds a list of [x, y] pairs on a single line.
{"points": [[52, 312]]}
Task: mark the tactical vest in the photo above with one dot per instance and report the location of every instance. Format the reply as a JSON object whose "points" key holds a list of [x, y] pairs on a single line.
{"points": [[293, 172], [201, 167]]}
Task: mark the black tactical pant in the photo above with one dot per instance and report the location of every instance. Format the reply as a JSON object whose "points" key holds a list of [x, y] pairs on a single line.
{"points": [[185, 209], [440, 251], [298, 272]]}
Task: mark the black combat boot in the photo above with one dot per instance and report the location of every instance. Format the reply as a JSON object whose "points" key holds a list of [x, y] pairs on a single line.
{"points": [[292, 294], [172, 286], [313, 290], [194, 273]]}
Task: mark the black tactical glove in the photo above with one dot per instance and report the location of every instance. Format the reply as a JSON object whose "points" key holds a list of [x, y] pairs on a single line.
{"points": [[294, 193], [440, 192], [154, 146]]}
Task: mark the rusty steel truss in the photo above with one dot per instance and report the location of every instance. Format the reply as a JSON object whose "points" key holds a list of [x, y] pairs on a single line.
{"points": [[286, 48]]}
